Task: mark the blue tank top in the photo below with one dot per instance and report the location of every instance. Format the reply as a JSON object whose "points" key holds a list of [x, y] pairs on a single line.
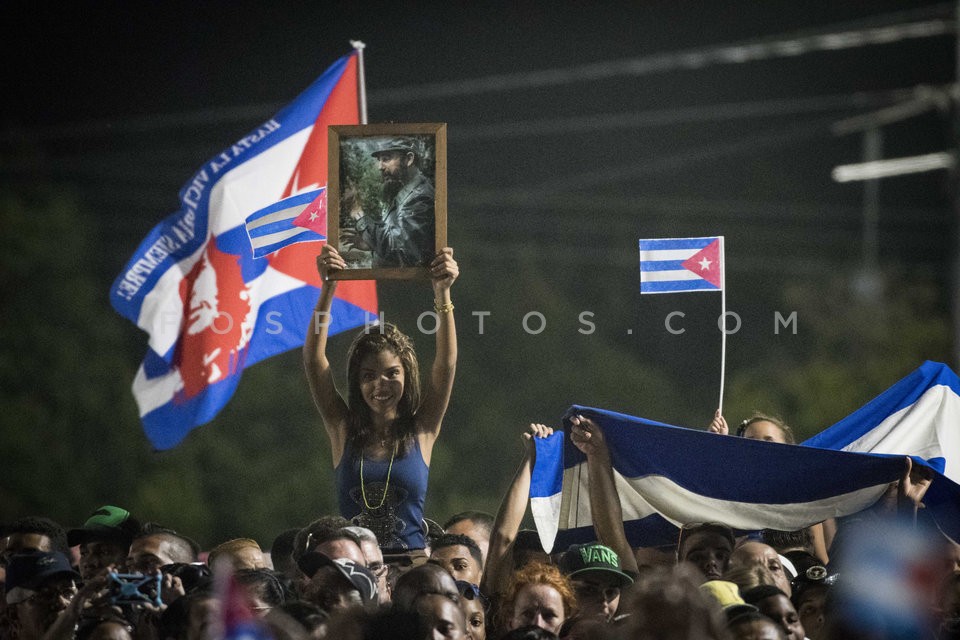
{"points": [[398, 522]]}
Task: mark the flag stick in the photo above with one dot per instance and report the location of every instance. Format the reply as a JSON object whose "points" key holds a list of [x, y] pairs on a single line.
{"points": [[723, 315], [361, 80]]}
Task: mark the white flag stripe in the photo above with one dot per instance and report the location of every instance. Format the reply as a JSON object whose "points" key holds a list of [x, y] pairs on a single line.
{"points": [[545, 514], [938, 406], [273, 238], [661, 276], [680, 505], [643, 496], [646, 495], [256, 183], [277, 216], [667, 254]]}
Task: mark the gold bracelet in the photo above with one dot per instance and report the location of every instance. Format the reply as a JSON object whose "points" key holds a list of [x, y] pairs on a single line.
{"points": [[442, 308]]}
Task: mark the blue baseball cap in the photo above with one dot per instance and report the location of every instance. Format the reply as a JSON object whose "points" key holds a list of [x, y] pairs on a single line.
{"points": [[27, 572]]}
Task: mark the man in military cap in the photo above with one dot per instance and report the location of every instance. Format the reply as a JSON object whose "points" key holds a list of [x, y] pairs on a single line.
{"points": [[404, 236]]}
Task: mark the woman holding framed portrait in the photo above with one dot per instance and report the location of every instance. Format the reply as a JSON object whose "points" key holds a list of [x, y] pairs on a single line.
{"points": [[382, 434]]}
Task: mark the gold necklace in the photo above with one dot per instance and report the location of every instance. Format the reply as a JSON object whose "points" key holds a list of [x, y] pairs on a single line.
{"points": [[363, 488]]}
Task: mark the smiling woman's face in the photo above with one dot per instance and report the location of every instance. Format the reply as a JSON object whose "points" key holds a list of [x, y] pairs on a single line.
{"points": [[381, 381]]}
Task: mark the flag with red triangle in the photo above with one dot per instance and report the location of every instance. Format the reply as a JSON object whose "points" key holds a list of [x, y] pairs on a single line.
{"points": [[674, 265], [195, 285]]}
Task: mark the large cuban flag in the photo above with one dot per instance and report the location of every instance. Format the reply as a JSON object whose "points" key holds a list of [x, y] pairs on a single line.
{"points": [[667, 475], [210, 308]]}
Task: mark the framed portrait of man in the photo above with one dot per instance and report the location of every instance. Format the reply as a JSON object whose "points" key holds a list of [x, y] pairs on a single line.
{"points": [[387, 198]]}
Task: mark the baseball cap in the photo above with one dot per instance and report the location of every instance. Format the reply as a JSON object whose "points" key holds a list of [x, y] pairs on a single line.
{"points": [[691, 528], [728, 595], [106, 523], [582, 560], [362, 579], [403, 145], [816, 576], [29, 571]]}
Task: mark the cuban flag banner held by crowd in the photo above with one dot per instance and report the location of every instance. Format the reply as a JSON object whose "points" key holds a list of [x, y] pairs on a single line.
{"points": [[675, 265], [667, 476], [210, 307]]}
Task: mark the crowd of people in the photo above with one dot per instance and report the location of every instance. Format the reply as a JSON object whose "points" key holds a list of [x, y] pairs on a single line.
{"points": [[380, 569]]}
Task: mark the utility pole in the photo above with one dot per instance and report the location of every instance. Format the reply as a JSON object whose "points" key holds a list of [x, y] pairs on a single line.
{"points": [[872, 169], [955, 279]]}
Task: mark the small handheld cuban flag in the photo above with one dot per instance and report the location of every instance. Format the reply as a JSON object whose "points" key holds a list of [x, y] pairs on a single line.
{"points": [[299, 218], [675, 265]]}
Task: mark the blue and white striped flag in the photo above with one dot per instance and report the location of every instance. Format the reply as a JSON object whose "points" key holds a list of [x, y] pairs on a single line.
{"points": [[918, 416], [674, 265], [667, 476], [272, 228]]}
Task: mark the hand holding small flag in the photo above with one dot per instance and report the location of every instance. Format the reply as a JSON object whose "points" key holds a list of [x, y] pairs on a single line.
{"points": [[718, 424]]}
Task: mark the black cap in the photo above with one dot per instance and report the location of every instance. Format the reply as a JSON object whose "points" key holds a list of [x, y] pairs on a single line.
{"points": [[403, 145], [108, 523], [29, 571], [360, 577], [582, 560]]}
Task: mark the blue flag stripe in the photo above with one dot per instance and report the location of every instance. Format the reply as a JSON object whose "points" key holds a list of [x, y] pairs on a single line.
{"points": [[675, 286], [277, 226], [284, 240], [661, 265], [674, 243], [287, 203]]}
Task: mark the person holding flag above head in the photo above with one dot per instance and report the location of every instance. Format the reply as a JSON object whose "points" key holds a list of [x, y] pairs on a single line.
{"points": [[382, 434]]}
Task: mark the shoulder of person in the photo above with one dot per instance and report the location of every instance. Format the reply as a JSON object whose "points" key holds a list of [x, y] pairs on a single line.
{"points": [[422, 186]]}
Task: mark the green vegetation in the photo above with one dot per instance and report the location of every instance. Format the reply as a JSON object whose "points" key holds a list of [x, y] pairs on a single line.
{"points": [[72, 439]]}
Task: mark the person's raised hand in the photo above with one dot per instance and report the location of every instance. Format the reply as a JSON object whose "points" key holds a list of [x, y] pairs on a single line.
{"points": [[718, 424], [535, 430], [914, 482], [587, 436], [328, 261], [443, 270]]}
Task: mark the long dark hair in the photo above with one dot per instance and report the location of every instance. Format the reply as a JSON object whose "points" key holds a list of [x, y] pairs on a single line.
{"points": [[385, 337]]}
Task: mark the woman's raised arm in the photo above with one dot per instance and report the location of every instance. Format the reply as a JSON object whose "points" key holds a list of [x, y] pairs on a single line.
{"points": [[443, 271], [333, 410]]}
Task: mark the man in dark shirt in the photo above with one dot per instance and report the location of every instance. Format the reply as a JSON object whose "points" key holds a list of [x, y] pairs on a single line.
{"points": [[404, 236]]}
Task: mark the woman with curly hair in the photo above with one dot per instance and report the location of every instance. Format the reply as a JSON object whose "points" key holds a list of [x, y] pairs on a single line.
{"points": [[538, 594], [382, 434]]}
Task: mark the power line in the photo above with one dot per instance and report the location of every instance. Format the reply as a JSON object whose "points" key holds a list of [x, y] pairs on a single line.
{"points": [[681, 115], [675, 116], [784, 46], [627, 171], [880, 30]]}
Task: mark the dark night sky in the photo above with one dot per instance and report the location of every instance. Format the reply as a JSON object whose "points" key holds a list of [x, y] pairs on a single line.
{"points": [[121, 102]]}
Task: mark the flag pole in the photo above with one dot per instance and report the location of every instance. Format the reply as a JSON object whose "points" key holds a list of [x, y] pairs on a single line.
{"points": [[723, 316], [361, 80]]}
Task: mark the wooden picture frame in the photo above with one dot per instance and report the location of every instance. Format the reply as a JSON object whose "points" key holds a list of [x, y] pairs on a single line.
{"points": [[381, 178]]}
